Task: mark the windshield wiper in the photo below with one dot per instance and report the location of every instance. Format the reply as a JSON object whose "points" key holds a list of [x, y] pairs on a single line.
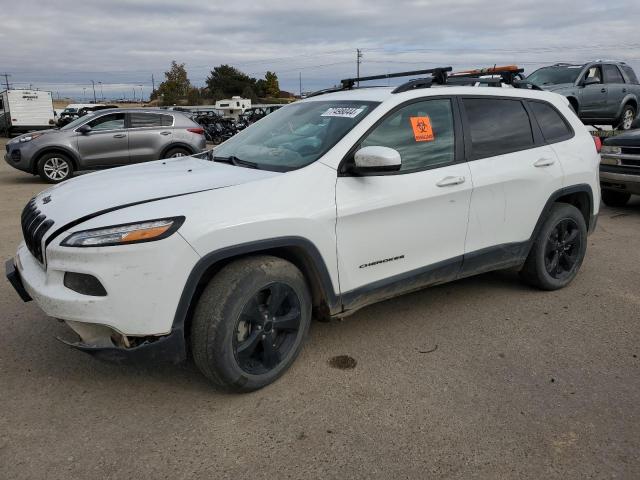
{"points": [[233, 160]]}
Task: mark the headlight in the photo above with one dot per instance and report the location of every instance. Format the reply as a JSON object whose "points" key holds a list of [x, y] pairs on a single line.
{"points": [[31, 136], [147, 231], [608, 149]]}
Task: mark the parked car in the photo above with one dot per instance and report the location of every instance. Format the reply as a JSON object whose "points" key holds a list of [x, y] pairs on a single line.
{"points": [[601, 92], [71, 113], [620, 168], [104, 139], [326, 205]]}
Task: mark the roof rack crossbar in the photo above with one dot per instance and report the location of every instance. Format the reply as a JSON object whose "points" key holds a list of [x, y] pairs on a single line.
{"points": [[348, 83]]}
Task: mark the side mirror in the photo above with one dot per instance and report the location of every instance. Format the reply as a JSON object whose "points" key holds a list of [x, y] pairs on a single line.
{"points": [[591, 81], [84, 129], [376, 159]]}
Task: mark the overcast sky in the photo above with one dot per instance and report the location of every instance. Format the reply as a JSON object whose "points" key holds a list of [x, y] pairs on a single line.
{"points": [[62, 45]]}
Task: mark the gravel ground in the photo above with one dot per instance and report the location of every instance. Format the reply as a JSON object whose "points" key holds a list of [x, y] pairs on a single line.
{"points": [[481, 378]]}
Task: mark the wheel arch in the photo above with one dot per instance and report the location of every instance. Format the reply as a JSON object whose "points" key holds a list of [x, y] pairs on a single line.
{"points": [[580, 196], [173, 145], [297, 250], [61, 150]]}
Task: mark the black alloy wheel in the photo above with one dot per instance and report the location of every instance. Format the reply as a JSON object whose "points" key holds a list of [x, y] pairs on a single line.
{"points": [[267, 329], [562, 250]]}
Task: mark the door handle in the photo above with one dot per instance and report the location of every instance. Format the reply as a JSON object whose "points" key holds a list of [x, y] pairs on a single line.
{"points": [[603, 90], [544, 162], [450, 181], [165, 133], [624, 90], [120, 135]]}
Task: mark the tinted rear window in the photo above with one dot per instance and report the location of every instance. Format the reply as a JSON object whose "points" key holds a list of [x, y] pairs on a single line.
{"points": [[612, 74], [139, 120], [553, 126], [497, 126], [630, 74]]}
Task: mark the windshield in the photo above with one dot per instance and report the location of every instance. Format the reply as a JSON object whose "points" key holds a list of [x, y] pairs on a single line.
{"points": [[555, 75], [78, 121], [296, 135]]}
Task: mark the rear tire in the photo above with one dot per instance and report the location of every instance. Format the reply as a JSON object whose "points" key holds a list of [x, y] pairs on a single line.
{"points": [[176, 152], [627, 118], [613, 198], [558, 250], [55, 167], [250, 323]]}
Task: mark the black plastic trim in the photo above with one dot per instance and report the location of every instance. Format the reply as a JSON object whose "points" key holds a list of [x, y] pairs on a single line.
{"points": [[13, 275], [209, 260]]}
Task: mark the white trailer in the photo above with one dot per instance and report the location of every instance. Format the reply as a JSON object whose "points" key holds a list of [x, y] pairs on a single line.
{"points": [[25, 110], [233, 107]]}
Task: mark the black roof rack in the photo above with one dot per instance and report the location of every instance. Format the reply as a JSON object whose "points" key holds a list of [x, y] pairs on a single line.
{"points": [[439, 74]]}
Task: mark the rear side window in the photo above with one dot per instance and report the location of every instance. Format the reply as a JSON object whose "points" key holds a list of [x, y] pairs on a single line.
{"points": [[497, 126], [422, 132], [612, 74], [554, 127], [629, 73], [140, 120]]}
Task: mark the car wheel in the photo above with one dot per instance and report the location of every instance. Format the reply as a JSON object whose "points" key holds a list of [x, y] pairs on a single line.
{"points": [[55, 167], [613, 198], [250, 323], [176, 152], [627, 118], [558, 250]]}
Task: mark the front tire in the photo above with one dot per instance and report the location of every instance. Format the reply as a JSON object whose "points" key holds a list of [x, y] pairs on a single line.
{"points": [[627, 118], [55, 167], [613, 198], [558, 250], [250, 323]]}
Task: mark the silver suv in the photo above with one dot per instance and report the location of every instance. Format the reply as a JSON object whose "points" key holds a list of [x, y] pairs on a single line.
{"points": [[108, 138]]}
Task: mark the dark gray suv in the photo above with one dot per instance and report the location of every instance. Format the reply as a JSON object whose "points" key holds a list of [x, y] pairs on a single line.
{"points": [[104, 139], [601, 92]]}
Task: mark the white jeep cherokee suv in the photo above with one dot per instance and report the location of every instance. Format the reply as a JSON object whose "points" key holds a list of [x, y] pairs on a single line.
{"points": [[327, 205]]}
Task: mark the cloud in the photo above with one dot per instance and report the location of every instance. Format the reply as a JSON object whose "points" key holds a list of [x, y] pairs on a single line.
{"points": [[64, 45]]}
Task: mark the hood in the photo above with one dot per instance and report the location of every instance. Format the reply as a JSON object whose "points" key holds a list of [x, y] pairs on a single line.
{"points": [[630, 138], [119, 187], [557, 86], [39, 132]]}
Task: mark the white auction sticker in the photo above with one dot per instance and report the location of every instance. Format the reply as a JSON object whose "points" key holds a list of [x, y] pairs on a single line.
{"points": [[345, 112]]}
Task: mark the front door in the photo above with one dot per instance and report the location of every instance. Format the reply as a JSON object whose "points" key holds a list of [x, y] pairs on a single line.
{"points": [[594, 97], [398, 231], [107, 144]]}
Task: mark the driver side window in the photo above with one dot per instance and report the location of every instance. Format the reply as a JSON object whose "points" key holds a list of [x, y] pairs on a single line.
{"points": [[422, 132], [594, 72], [113, 121]]}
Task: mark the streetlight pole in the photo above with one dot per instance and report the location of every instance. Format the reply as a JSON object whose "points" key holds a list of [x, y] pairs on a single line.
{"points": [[101, 92], [93, 84], [141, 95], [84, 94]]}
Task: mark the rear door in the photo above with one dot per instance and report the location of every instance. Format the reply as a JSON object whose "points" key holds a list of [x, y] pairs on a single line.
{"points": [[405, 228], [149, 134], [106, 145], [594, 97], [616, 87], [514, 173]]}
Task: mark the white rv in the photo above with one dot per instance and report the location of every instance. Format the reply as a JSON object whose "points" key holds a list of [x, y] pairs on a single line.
{"points": [[25, 110], [233, 107]]}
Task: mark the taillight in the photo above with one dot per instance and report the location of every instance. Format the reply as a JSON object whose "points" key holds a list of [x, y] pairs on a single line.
{"points": [[598, 143], [199, 131]]}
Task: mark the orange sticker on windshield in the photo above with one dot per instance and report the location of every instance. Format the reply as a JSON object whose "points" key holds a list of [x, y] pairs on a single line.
{"points": [[422, 130]]}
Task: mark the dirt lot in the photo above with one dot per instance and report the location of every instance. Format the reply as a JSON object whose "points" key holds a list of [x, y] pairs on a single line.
{"points": [[482, 378]]}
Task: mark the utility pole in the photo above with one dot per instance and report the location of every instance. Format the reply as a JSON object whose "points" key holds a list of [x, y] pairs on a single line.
{"points": [[153, 84], [6, 79], [358, 62], [93, 84], [101, 92], [300, 80]]}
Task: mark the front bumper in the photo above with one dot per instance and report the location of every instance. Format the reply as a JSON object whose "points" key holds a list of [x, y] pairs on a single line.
{"points": [[614, 178], [134, 321]]}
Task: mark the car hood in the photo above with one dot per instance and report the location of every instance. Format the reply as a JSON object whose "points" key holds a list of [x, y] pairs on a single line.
{"points": [[556, 87], [87, 195], [630, 138]]}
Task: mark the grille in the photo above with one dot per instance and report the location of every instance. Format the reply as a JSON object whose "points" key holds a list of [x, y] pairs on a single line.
{"points": [[34, 226]]}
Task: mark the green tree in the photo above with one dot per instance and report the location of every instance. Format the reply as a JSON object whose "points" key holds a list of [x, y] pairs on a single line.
{"points": [[229, 80], [272, 87], [176, 85]]}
